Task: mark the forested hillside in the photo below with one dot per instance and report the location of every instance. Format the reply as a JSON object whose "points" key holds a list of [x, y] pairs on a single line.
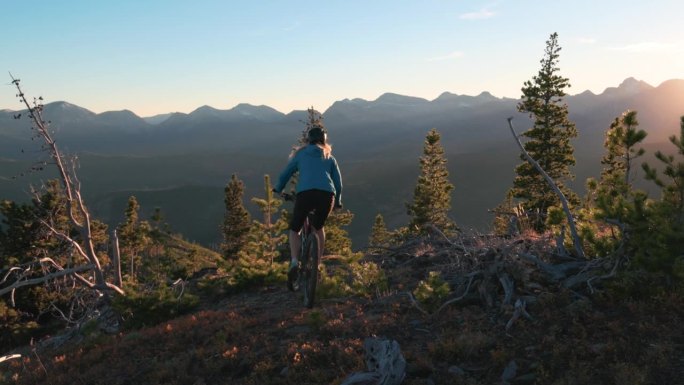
{"points": [[182, 164]]}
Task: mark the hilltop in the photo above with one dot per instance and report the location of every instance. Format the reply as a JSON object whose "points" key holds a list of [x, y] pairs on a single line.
{"points": [[615, 331]]}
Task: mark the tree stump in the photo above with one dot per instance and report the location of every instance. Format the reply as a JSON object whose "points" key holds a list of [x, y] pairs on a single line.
{"points": [[386, 365]]}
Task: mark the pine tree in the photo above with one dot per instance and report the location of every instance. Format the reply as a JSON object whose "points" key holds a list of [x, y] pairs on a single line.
{"points": [[23, 238], [337, 241], [658, 227], [615, 186], [549, 142], [264, 242], [236, 221], [673, 186], [133, 237], [313, 119], [266, 237], [611, 199], [380, 236], [432, 194]]}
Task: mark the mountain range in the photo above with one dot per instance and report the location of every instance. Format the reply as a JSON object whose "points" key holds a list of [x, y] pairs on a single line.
{"points": [[181, 162]]}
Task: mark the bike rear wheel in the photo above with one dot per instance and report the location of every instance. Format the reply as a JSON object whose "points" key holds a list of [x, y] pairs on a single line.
{"points": [[310, 269]]}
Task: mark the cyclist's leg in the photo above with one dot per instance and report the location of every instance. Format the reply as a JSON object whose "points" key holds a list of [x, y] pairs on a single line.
{"points": [[324, 206], [321, 240], [301, 209], [295, 246]]}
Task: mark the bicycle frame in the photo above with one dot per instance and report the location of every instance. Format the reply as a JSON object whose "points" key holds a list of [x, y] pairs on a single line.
{"points": [[308, 259]]}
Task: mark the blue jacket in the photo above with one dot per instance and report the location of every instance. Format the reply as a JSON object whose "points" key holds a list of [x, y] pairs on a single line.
{"points": [[315, 172]]}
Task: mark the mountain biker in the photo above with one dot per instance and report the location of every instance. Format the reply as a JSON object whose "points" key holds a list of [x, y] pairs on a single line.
{"points": [[319, 188]]}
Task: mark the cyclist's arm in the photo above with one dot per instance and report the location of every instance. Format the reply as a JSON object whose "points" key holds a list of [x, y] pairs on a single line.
{"points": [[337, 182], [286, 174]]}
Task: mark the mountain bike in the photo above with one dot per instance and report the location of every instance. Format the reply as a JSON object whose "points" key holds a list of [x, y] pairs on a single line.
{"points": [[308, 259]]}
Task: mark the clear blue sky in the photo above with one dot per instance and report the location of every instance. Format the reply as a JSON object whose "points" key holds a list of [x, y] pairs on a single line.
{"points": [[154, 56]]}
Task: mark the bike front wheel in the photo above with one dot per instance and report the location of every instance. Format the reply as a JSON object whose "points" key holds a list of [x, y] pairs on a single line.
{"points": [[310, 269]]}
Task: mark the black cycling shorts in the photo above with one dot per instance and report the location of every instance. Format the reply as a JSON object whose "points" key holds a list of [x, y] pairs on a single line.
{"points": [[321, 202]]}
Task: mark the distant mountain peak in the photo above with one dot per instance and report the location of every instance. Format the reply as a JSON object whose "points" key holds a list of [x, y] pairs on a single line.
{"points": [[65, 106], [392, 98], [65, 111], [246, 105], [252, 107], [205, 108], [119, 112], [487, 95], [262, 112], [629, 86], [632, 82], [446, 94]]}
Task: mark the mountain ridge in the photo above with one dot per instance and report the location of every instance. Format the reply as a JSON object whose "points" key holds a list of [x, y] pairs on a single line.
{"points": [[628, 86]]}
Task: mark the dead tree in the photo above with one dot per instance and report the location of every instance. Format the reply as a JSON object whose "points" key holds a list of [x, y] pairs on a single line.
{"points": [[79, 218], [577, 243]]}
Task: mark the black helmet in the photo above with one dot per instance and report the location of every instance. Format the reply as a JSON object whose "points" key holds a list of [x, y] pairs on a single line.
{"points": [[316, 135]]}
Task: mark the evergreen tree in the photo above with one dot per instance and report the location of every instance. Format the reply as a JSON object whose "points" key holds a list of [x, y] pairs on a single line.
{"points": [[337, 241], [255, 263], [380, 236], [313, 119], [24, 239], [432, 194], [237, 221], [549, 139], [615, 185], [658, 227], [133, 237], [673, 186], [611, 199], [266, 237]]}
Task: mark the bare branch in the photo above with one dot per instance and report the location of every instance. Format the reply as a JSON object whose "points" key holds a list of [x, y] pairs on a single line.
{"points": [[520, 309], [449, 302], [508, 286], [571, 220], [45, 278], [67, 238], [9, 357], [415, 303]]}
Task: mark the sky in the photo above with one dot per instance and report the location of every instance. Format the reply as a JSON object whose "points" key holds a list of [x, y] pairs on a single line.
{"points": [[161, 56]]}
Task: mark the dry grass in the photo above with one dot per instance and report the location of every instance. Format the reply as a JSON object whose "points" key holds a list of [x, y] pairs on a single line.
{"points": [[267, 337]]}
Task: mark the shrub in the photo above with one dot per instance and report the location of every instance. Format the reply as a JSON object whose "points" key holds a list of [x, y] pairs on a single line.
{"points": [[432, 292], [354, 278], [147, 308]]}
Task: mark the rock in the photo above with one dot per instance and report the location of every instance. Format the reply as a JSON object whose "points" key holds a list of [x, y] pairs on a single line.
{"points": [[455, 370], [510, 371], [385, 363]]}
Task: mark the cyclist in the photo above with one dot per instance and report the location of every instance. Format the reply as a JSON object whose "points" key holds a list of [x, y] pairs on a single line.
{"points": [[319, 188]]}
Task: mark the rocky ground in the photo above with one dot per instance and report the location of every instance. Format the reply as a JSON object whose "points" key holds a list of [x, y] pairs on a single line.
{"points": [[507, 318]]}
